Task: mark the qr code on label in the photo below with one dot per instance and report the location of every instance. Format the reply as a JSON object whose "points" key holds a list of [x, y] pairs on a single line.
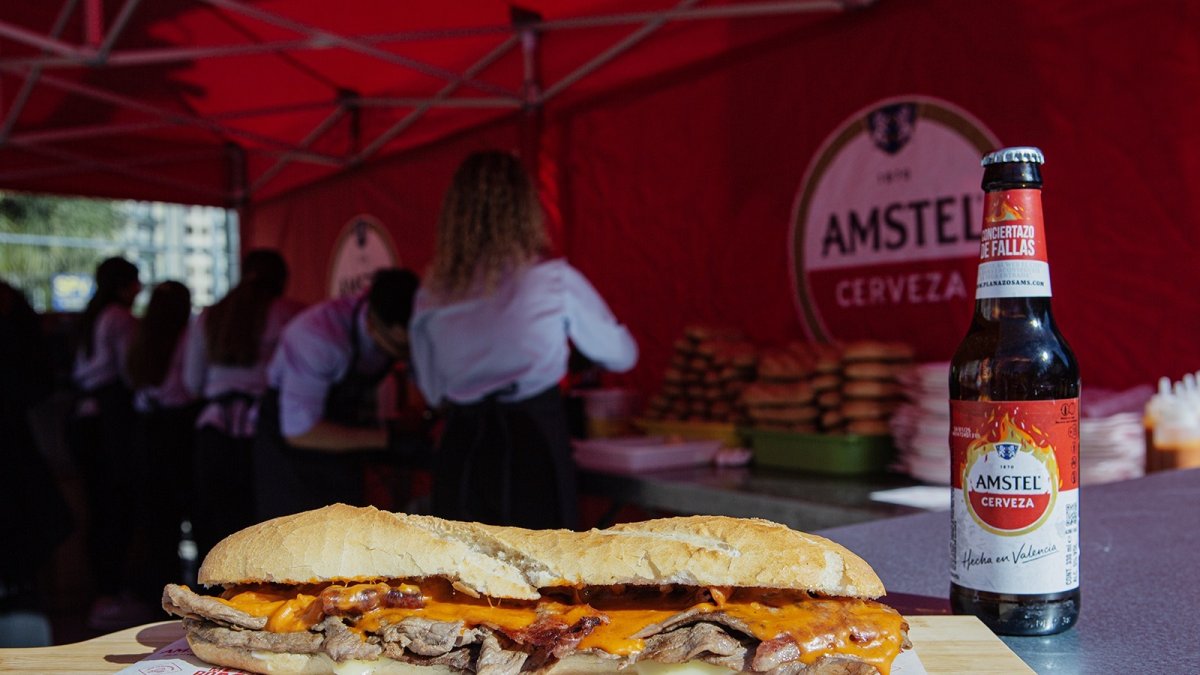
{"points": [[1072, 514]]}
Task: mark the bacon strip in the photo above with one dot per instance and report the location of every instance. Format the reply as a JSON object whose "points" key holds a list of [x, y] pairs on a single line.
{"points": [[555, 636], [362, 598]]}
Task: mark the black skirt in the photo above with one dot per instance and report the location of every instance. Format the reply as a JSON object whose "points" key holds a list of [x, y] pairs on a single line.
{"points": [[507, 464]]}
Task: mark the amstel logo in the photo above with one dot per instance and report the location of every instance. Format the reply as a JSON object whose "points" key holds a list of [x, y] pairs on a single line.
{"points": [[886, 224], [1010, 479]]}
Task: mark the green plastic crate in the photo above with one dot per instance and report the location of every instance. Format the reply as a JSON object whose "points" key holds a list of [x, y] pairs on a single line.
{"points": [[842, 454]]}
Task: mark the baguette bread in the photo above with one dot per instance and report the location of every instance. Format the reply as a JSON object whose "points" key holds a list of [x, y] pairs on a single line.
{"points": [[506, 562], [357, 590]]}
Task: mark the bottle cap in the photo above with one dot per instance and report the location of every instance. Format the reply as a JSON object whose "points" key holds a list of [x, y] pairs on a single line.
{"points": [[1023, 153]]}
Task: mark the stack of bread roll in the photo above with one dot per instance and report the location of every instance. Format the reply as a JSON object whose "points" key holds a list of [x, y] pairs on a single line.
{"points": [[708, 370], [827, 386], [871, 389], [785, 395]]}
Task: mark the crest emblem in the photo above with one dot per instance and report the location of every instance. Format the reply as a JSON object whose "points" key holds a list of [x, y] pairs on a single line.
{"points": [[892, 126], [1007, 450], [361, 229]]}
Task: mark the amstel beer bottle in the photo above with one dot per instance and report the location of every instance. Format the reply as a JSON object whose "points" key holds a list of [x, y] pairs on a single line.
{"points": [[1014, 424]]}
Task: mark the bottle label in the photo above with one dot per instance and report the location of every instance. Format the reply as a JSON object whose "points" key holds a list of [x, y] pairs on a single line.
{"points": [[1012, 247], [1015, 502]]}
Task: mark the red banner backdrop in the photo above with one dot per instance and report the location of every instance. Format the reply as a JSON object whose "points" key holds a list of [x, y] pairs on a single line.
{"points": [[677, 194]]}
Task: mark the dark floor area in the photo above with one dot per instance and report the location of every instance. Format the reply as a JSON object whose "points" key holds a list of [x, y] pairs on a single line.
{"points": [[69, 591]]}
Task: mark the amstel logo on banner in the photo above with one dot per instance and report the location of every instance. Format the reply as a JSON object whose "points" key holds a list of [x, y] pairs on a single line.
{"points": [[886, 225], [363, 247]]}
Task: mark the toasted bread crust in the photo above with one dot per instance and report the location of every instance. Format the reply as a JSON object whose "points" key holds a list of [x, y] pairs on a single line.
{"points": [[344, 542]]}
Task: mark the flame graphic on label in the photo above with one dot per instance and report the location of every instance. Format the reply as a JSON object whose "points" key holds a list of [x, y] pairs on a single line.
{"points": [[1003, 210], [1011, 428], [1010, 477]]}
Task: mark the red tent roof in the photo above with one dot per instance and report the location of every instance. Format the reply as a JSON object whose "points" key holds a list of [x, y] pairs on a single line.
{"points": [[225, 101]]}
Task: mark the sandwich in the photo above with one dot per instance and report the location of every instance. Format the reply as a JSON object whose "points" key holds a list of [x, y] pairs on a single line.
{"points": [[356, 590]]}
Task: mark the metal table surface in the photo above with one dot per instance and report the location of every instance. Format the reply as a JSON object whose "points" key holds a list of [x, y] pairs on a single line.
{"points": [[801, 500], [1140, 549]]}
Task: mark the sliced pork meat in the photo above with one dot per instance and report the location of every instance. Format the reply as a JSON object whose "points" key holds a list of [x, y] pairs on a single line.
{"points": [[343, 644], [456, 659], [183, 602], [301, 642], [698, 642], [781, 656], [771, 654], [426, 637], [690, 635], [495, 660], [692, 616]]}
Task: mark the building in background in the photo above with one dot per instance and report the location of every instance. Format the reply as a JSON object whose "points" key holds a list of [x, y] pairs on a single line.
{"points": [[49, 246], [195, 245]]}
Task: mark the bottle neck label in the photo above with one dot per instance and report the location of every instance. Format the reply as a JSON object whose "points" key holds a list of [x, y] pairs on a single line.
{"points": [[1012, 247]]}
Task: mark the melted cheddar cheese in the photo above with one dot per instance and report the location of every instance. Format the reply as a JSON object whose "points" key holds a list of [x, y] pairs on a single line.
{"points": [[865, 629]]}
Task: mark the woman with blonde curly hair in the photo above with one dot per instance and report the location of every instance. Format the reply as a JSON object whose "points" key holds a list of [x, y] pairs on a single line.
{"points": [[490, 339]]}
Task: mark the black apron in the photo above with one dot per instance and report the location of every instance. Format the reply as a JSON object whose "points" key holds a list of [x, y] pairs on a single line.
{"points": [[290, 479], [224, 473], [104, 450], [165, 440], [507, 463]]}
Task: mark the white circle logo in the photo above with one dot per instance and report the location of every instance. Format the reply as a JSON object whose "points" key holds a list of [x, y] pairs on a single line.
{"points": [[363, 247], [885, 227]]}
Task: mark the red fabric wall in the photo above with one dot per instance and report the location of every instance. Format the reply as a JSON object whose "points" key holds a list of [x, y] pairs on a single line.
{"points": [[676, 193], [680, 191], [404, 193]]}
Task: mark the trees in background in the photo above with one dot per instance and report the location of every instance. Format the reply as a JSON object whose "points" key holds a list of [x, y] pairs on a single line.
{"points": [[43, 236]]}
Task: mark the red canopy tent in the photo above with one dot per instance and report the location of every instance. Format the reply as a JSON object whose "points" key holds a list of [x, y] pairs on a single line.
{"points": [[670, 138], [228, 102]]}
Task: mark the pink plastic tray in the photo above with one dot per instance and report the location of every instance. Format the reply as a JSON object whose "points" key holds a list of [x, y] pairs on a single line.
{"points": [[634, 454]]}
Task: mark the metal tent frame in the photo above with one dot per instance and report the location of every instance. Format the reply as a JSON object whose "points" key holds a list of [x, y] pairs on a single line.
{"points": [[100, 48]]}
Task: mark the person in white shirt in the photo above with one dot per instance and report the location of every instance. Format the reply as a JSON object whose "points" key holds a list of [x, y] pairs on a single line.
{"points": [[100, 434], [225, 364], [320, 421], [490, 340]]}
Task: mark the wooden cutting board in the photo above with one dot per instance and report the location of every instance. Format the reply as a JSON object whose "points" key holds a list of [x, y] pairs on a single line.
{"points": [[961, 644], [945, 644]]}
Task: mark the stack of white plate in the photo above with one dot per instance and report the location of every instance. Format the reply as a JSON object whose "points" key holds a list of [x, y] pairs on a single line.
{"points": [[921, 425], [1111, 448], [1112, 440]]}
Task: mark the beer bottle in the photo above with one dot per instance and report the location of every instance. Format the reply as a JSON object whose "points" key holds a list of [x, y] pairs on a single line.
{"points": [[1014, 424]]}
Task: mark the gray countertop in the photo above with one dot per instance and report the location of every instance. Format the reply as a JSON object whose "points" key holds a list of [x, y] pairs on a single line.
{"points": [[1140, 552], [801, 500], [1140, 548]]}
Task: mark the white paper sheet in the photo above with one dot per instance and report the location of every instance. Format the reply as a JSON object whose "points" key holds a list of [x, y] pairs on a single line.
{"points": [[908, 664], [929, 497]]}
